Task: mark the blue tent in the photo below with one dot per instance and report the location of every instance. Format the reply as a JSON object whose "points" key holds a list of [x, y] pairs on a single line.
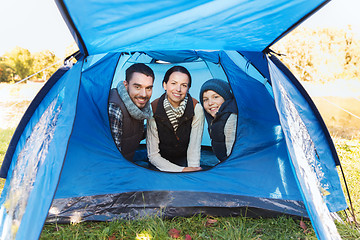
{"points": [[62, 163]]}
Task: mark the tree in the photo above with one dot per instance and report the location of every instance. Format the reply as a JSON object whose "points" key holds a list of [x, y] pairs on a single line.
{"points": [[6, 72], [321, 55], [43, 60], [21, 61]]}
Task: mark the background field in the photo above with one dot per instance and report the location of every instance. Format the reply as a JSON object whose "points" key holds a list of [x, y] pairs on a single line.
{"points": [[339, 105]]}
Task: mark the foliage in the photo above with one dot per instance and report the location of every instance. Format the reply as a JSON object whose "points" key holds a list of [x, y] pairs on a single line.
{"points": [[19, 63], [42, 60], [6, 71], [5, 136], [321, 55]]}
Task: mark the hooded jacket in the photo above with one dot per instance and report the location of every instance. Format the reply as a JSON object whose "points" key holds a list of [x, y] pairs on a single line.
{"points": [[216, 127]]}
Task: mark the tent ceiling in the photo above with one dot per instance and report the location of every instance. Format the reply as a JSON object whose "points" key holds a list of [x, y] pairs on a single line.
{"points": [[101, 26]]}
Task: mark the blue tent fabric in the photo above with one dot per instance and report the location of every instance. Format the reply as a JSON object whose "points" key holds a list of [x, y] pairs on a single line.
{"points": [[104, 26], [324, 131], [312, 164], [250, 141], [84, 176], [259, 166], [323, 162], [26, 117], [37, 162], [256, 151], [327, 158], [258, 59]]}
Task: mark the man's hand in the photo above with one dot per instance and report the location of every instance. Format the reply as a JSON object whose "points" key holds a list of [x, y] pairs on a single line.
{"points": [[191, 169]]}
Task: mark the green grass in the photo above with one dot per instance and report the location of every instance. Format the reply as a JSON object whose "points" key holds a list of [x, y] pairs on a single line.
{"points": [[223, 227], [196, 227], [349, 154], [5, 137]]}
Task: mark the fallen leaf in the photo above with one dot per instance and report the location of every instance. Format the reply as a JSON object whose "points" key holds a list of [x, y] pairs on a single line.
{"points": [[210, 222], [174, 233], [303, 225], [112, 237], [187, 237]]}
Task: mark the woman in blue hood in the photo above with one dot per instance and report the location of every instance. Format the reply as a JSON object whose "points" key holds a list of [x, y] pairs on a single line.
{"points": [[221, 115]]}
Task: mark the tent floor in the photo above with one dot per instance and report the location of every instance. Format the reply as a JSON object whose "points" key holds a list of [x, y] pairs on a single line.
{"points": [[168, 204]]}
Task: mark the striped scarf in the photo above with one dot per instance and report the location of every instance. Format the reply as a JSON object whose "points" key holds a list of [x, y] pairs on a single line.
{"points": [[174, 113]]}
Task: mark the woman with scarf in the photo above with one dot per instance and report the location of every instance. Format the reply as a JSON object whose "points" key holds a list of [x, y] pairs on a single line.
{"points": [[221, 115], [174, 133]]}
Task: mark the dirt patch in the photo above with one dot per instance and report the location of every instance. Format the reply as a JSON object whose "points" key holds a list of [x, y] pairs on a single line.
{"points": [[341, 115], [339, 105]]}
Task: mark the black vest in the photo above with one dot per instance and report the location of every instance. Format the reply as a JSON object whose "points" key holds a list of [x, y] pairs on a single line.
{"points": [[132, 129], [173, 146], [216, 128]]}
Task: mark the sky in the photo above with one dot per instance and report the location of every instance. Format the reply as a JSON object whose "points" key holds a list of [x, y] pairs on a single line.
{"points": [[37, 24]]}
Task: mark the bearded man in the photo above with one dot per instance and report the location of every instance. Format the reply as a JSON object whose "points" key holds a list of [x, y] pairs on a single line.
{"points": [[128, 108]]}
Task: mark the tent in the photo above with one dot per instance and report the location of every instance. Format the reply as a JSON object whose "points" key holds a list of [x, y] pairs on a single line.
{"points": [[62, 164]]}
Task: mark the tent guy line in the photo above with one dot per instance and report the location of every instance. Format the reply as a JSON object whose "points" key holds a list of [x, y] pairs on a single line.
{"points": [[341, 108]]}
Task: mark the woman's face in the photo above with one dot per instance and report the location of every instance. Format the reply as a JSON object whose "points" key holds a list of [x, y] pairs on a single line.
{"points": [[212, 102], [176, 88]]}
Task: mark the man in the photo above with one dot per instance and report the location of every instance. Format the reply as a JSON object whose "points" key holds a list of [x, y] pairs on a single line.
{"points": [[129, 106]]}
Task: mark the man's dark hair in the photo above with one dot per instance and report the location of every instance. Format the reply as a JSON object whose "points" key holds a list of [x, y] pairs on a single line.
{"points": [[140, 68], [176, 69]]}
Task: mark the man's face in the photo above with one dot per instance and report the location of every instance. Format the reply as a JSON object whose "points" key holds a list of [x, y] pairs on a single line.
{"points": [[139, 88]]}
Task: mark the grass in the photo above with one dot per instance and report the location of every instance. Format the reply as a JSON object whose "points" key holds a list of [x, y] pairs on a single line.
{"points": [[349, 154], [5, 137], [198, 227], [207, 227]]}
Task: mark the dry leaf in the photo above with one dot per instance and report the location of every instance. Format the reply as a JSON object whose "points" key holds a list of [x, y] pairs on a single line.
{"points": [[187, 237], [210, 222], [174, 233], [303, 225], [112, 237]]}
